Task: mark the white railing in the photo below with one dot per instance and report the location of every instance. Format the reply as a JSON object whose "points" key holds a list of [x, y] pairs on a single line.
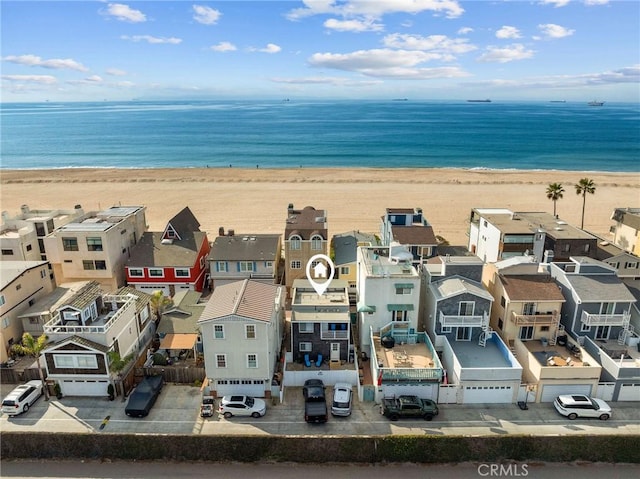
{"points": [[589, 319], [56, 324], [328, 334], [535, 319], [448, 321]]}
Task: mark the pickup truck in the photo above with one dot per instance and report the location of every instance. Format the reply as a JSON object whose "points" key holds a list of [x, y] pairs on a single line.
{"points": [[409, 406], [315, 403], [144, 396]]}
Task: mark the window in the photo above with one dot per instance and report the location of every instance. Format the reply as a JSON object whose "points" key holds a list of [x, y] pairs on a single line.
{"points": [[40, 229], [87, 362], [503, 302], [63, 361], [136, 272], [94, 244], [6, 322], [584, 328], [29, 247], [221, 266], [100, 264], [607, 308], [221, 360], [245, 266], [305, 347], [305, 328], [250, 331], [156, 272], [446, 329], [316, 242], [43, 274], [252, 360], [296, 264], [586, 248], [268, 264], [463, 334], [218, 331], [632, 265], [399, 316], [529, 309], [41, 245], [500, 324], [70, 244], [403, 290], [526, 333], [87, 264], [295, 242], [567, 247], [466, 308], [182, 272], [344, 270], [2, 299], [7, 252]]}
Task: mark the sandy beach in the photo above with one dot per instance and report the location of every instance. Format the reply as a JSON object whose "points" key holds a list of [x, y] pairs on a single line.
{"points": [[255, 200]]}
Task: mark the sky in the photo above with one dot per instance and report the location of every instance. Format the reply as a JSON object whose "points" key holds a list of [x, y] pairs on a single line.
{"points": [[573, 50]]}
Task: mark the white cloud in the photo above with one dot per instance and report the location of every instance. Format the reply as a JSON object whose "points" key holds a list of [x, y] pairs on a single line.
{"points": [[115, 72], [337, 81], [54, 63], [551, 30], [508, 32], [556, 3], [507, 54], [596, 2], [367, 25], [377, 8], [124, 13], [91, 80], [223, 47], [465, 30], [151, 39], [437, 43], [39, 79], [206, 15], [386, 63], [270, 48]]}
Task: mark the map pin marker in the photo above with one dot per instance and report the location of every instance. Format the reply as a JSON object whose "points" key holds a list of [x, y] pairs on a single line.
{"points": [[320, 271]]}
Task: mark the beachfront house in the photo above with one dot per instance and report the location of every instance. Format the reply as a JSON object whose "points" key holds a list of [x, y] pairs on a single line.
{"points": [[234, 257], [626, 231], [171, 260], [597, 313], [242, 329], [344, 252], [96, 246], [409, 227]]}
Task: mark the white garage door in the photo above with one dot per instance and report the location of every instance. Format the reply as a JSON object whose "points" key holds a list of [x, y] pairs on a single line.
{"points": [[629, 392], [152, 289], [423, 390], [247, 387], [549, 393], [487, 394], [79, 387]]}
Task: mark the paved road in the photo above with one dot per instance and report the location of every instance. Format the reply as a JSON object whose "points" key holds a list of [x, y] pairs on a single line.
{"points": [[177, 412]]}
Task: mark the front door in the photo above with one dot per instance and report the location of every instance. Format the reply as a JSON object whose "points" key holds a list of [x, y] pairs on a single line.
{"points": [[526, 332], [335, 351], [463, 334]]}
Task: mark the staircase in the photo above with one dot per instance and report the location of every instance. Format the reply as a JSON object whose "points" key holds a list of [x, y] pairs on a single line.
{"points": [[553, 339], [486, 332], [624, 334]]}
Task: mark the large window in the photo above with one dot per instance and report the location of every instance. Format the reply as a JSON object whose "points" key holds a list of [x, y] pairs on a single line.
{"points": [[94, 244], [305, 347], [305, 327], [221, 266], [218, 331], [88, 264], [136, 272], [316, 242], [252, 360], [156, 272], [466, 308], [101, 264], [182, 272], [245, 266], [7, 252], [68, 361], [295, 242], [399, 316], [70, 244]]}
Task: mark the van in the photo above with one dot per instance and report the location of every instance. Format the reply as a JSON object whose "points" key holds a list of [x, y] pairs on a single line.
{"points": [[342, 398]]}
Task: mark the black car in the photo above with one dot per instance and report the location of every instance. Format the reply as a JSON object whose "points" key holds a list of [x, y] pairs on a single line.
{"points": [[313, 390]]}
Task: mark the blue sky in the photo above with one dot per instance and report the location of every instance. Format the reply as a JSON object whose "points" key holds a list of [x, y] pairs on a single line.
{"points": [[574, 50]]}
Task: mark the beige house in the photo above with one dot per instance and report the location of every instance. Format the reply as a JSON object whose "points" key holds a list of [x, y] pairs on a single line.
{"points": [[96, 246], [626, 231], [305, 235], [22, 283]]}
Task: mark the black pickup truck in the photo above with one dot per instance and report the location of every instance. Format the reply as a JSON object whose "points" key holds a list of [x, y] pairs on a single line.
{"points": [[409, 406], [315, 403], [144, 396]]}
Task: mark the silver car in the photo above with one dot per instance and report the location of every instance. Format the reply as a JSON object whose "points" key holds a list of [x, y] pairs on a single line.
{"points": [[579, 405], [22, 398]]}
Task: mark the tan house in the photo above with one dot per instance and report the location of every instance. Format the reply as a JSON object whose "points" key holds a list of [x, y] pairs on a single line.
{"points": [[22, 283], [96, 246], [626, 231], [305, 235]]}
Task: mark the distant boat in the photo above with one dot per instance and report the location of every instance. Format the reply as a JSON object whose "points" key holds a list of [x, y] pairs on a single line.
{"points": [[595, 103], [400, 99], [479, 101], [558, 101]]}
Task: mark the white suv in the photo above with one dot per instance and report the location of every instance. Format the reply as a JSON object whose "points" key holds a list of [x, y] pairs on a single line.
{"points": [[242, 406], [342, 397], [578, 405], [21, 398]]}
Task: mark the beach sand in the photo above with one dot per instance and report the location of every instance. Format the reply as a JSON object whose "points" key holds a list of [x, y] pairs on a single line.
{"points": [[256, 200]]}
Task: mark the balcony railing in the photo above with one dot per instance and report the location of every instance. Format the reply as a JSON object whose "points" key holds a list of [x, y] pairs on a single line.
{"points": [[535, 319], [589, 319], [334, 334], [57, 326], [454, 321], [411, 374]]}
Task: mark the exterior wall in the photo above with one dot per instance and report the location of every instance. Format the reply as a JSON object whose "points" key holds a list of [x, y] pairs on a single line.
{"points": [[351, 276], [19, 244], [566, 248], [485, 242], [303, 255], [261, 269], [319, 345], [18, 295], [627, 238]]}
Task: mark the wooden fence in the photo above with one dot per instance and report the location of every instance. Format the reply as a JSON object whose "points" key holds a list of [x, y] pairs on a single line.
{"points": [[179, 375], [19, 376]]}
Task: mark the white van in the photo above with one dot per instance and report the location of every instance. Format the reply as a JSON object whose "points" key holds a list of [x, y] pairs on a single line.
{"points": [[342, 398]]}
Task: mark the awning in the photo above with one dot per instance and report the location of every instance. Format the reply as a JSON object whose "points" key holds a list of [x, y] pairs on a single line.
{"points": [[404, 285], [366, 309], [399, 307], [178, 341]]}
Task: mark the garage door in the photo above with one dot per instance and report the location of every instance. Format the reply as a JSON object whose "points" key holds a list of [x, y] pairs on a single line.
{"points": [[629, 392], [79, 387], [487, 394], [549, 393], [247, 387], [422, 390]]}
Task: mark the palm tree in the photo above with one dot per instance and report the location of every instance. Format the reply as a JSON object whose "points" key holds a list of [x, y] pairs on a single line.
{"points": [[159, 303], [117, 364], [30, 346], [584, 186], [554, 193]]}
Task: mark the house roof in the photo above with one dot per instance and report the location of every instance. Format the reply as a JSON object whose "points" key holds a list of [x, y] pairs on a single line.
{"points": [[306, 222], [418, 235], [78, 340], [151, 250], [183, 222], [456, 285], [627, 216], [596, 287], [531, 287], [57, 298], [84, 297], [142, 298], [250, 247], [183, 316], [345, 246], [248, 299], [11, 270]]}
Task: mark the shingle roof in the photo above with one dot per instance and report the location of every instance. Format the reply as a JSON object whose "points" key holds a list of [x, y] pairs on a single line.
{"points": [[345, 246], [83, 298], [181, 253], [81, 341], [143, 299], [594, 288], [531, 287], [253, 247], [248, 299], [184, 222], [305, 222], [183, 316], [418, 235]]}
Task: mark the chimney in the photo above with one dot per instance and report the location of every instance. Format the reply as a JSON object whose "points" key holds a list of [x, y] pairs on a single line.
{"points": [[24, 209], [231, 232], [77, 207], [290, 208], [221, 231]]}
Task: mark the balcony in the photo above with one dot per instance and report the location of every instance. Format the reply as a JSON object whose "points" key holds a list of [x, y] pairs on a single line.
{"points": [[536, 319], [330, 334], [589, 319], [455, 321], [98, 325]]}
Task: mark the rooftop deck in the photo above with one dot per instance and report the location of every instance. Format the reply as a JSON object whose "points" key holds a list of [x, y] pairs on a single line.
{"points": [[471, 355], [556, 356]]}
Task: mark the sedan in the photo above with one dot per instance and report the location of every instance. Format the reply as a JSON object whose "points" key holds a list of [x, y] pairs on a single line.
{"points": [[242, 406], [578, 405]]}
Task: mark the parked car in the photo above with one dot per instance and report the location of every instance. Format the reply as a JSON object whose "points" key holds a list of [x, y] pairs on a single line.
{"points": [[579, 405], [22, 398], [144, 396], [207, 406], [315, 403], [242, 406], [342, 397], [409, 406]]}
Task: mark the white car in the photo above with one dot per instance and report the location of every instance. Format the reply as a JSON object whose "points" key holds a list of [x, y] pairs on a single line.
{"points": [[578, 405], [22, 398], [242, 406], [342, 397]]}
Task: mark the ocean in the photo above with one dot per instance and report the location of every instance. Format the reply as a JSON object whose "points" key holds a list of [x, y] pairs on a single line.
{"points": [[294, 133]]}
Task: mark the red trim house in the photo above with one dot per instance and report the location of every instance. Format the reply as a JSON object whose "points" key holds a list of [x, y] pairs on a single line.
{"points": [[170, 261]]}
